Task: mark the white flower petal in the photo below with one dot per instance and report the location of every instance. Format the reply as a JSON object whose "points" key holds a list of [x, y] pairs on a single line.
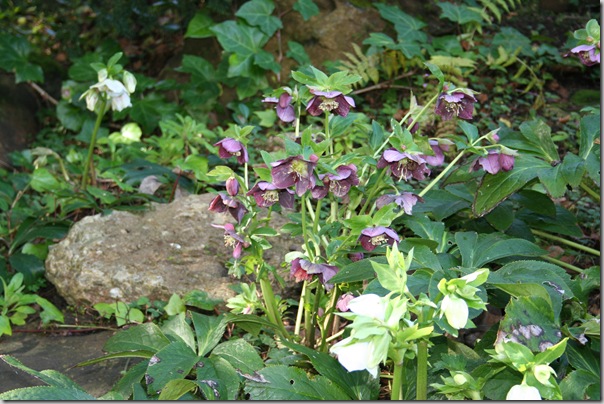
{"points": [[523, 392], [456, 311], [369, 305]]}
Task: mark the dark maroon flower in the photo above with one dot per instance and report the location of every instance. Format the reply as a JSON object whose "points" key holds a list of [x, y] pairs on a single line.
{"points": [[222, 203], [285, 111], [302, 270], [406, 200], [232, 186], [373, 237], [494, 162], [455, 103], [319, 191], [329, 101], [404, 165], [356, 256], [232, 239], [229, 147], [295, 171], [588, 54], [267, 194], [339, 184]]}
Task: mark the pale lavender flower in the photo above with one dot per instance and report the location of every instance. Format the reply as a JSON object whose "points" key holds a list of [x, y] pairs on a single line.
{"points": [[285, 111], [303, 270], [267, 194], [494, 162], [373, 237], [223, 203], [232, 239], [339, 184], [404, 165], [588, 54], [455, 103], [406, 200], [230, 147]]}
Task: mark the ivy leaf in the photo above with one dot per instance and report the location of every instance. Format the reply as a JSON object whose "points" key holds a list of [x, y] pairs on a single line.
{"points": [[297, 52], [307, 8], [239, 39], [281, 382], [258, 13], [200, 25], [407, 27], [14, 52]]}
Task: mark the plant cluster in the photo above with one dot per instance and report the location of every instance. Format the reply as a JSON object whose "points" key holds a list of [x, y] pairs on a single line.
{"points": [[410, 229]]}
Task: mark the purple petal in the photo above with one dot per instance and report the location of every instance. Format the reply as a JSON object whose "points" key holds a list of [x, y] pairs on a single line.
{"points": [[490, 163], [506, 161], [392, 155]]}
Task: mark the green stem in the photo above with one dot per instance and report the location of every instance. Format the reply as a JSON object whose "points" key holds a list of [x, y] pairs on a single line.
{"points": [[89, 160], [397, 383], [329, 310], [567, 242], [416, 118], [442, 174], [591, 192], [562, 264], [304, 227], [300, 309], [272, 310], [373, 191], [327, 134], [422, 371]]}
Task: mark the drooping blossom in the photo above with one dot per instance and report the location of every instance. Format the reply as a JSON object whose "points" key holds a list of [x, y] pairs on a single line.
{"points": [[113, 90], [285, 111], [339, 184], [267, 194], [589, 55], [232, 239], [303, 270], [232, 186], [494, 162], [404, 165], [329, 101], [458, 102], [438, 146], [523, 392], [406, 200], [229, 147], [356, 256], [373, 237], [223, 203], [295, 171]]}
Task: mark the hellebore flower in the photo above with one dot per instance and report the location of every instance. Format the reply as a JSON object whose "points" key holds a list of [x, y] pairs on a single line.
{"points": [[587, 54], [403, 165], [455, 310], [494, 162], [373, 237], [114, 91], [456, 102], [285, 111], [295, 171], [303, 270], [438, 146], [406, 200], [232, 239], [222, 203], [523, 392], [359, 355], [343, 301], [232, 186], [326, 101], [356, 256], [339, 184], [267, 194], [229, 147]]}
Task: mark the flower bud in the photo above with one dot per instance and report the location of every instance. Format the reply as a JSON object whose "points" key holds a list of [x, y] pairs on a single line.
{"points": [[102, 75], [129, 81], [523, 392], [232, 186]]}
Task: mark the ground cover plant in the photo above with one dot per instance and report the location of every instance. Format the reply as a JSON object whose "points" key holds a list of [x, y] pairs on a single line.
{"points": [[421, 211]]}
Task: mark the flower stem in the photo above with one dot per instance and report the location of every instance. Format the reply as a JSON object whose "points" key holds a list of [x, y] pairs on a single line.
{"points": [[89, 160], [590, 192], [373, 191], [329, 313], [396, 392], [416, 118], [304, 227], [442, 174], [300, 309], [422, 371], [567, 242], [562, 264], [272, 310]]}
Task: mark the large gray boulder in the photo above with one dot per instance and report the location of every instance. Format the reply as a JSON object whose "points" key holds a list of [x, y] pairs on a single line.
{"points": [[171, 248]]}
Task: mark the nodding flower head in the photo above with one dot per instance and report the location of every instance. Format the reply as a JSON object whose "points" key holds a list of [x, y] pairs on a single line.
{"points": [[589, 55], [285, 111], [495, 161], [329, 101], [339, 184], [404, 165], [406, 201], [295, 171], [232, 239], [303, 270], [229, 147], [373, 237], [223, 203], [267, 194], [457, 102]]}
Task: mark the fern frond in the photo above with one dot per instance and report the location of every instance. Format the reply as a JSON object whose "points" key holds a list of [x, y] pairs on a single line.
{"points": [[451, 64], [496, 8], [362, 65]]}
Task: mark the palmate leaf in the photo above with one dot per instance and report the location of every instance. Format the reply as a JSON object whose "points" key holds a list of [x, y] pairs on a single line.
{"points": [[258, 13], [281, 382], [239, 39], [407, 27], [459, 14], [172, 362]]}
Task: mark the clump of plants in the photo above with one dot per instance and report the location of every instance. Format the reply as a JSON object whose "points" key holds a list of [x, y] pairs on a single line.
{"points": [[408, 236]]}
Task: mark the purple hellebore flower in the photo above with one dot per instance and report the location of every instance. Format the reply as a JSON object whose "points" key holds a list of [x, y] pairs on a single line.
{"points": [[326, 101], [232, 186], [587, 54], [285, 111], [455, 103], [222, 203], [339, 184], [494, 162], [295, 171], [319, 191], [406, 200], [356, 256], [267, 194], [438, 148], [303, 270], [229, 147], [343, 301], [404, 165], [232, 239], [373, 237]]}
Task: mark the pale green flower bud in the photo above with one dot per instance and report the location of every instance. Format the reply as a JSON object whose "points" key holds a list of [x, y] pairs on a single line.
{"points": [[523, 392], [129, 81], [102, 75], [542, 374], [455, 310], [92, 97]]}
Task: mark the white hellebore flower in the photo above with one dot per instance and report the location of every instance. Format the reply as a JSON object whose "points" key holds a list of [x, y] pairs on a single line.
{"points": [[357, 356], [116, 92], [369, 305], [523, 392], [455, 310]]}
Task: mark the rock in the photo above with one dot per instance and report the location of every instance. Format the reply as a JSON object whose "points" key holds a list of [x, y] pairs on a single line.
{"points": [[171, 248]]}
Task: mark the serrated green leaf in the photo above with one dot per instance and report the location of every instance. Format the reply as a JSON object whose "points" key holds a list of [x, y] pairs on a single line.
{"points": [[575, 385], [479, 249], [281, 382], [240, 354], [358, 271], [222, 377], [175, 389], [208, 330], [46, 393], [177, 328], [172, 362], [496, 188], [144, 337], [539, 134]]}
